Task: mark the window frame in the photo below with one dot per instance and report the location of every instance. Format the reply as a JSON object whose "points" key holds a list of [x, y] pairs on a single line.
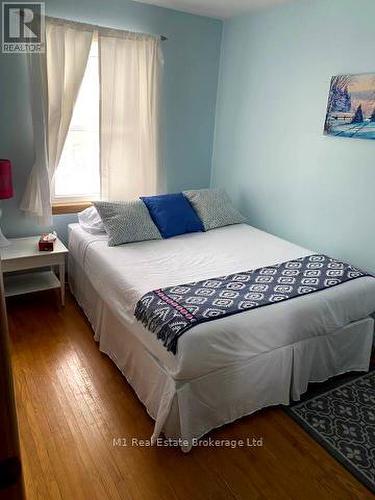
{"points": [[69, 207]]}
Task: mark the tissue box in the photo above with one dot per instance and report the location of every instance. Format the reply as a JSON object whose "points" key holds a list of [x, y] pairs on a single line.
{"points": [[45, 245]]}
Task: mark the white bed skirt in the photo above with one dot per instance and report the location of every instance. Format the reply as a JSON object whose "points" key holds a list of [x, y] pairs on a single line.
{"points": [[188, 409]]}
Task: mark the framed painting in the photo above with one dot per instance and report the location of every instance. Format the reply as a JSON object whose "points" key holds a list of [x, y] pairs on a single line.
{"points": [[351, 106]]}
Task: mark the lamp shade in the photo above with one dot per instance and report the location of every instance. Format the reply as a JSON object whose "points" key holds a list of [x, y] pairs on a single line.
{"points": [[6, 186]]}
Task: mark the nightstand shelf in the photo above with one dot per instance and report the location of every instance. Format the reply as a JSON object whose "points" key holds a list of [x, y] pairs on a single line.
{"points": [[19, 284], [23, 255]]}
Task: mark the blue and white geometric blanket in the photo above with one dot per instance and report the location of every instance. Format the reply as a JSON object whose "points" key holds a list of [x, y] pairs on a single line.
{"points": [[172, 311]]}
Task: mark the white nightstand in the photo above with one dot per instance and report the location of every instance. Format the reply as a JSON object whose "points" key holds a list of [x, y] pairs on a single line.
{"points": [[23, 254]]}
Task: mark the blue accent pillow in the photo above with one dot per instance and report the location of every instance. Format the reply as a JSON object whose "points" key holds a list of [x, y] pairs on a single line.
{"points": [[172, 214]]}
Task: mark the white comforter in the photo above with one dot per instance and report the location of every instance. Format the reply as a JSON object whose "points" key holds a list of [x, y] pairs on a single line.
{"points": [[121, 275]]}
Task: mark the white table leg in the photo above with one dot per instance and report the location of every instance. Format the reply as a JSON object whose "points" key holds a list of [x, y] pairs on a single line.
{"points": [[62, 280]]}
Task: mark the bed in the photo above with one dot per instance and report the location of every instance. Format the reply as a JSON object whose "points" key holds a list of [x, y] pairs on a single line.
{"points": [[230, 367]]}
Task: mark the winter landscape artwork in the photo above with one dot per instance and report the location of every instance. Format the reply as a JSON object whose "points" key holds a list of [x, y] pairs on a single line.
{"points": [[351, 106]]}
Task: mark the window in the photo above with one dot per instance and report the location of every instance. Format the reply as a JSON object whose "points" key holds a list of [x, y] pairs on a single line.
{"points": [[77, 177]]}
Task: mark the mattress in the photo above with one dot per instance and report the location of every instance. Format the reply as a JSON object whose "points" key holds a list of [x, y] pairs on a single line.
{"points": [[122, 275]]}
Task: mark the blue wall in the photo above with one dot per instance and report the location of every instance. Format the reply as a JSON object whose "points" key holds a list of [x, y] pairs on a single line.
{"points": [[191, 55], [270, 153]]}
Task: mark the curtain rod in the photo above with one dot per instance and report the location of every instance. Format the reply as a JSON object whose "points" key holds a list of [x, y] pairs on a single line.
{"points": [[98, 27]]}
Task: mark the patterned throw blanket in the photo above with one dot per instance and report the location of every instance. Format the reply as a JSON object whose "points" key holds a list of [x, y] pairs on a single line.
{"points": [[170, 312]]}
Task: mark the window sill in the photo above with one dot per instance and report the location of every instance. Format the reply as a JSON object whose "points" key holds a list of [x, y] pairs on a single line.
{"points": [[69, 208]]}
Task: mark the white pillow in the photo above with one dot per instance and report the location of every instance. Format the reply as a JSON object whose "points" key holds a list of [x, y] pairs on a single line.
{"points": [[90, 221]]}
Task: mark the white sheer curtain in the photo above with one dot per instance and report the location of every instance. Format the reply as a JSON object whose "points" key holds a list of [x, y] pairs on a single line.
{"points": [[55, 78], [130, 80]]}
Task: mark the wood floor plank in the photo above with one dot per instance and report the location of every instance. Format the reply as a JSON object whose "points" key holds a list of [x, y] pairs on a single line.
{"points": [[72, 402]]}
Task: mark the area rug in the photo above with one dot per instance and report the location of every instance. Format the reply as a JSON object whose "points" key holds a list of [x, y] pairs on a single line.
{"points": [[342, 419]]}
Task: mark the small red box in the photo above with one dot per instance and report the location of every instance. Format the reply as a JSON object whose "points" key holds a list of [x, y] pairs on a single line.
{"points": [[45, 245]]}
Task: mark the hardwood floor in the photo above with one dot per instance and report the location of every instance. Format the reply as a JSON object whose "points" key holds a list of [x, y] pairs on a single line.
{"points": [[72, 402]]}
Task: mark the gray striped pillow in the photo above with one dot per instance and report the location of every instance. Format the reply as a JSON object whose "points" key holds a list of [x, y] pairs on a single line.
{"points": [[127, 222], [214, 208]]}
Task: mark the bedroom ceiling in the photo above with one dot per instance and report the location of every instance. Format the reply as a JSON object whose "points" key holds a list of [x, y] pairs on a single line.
{"points": [[215, 8]]}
